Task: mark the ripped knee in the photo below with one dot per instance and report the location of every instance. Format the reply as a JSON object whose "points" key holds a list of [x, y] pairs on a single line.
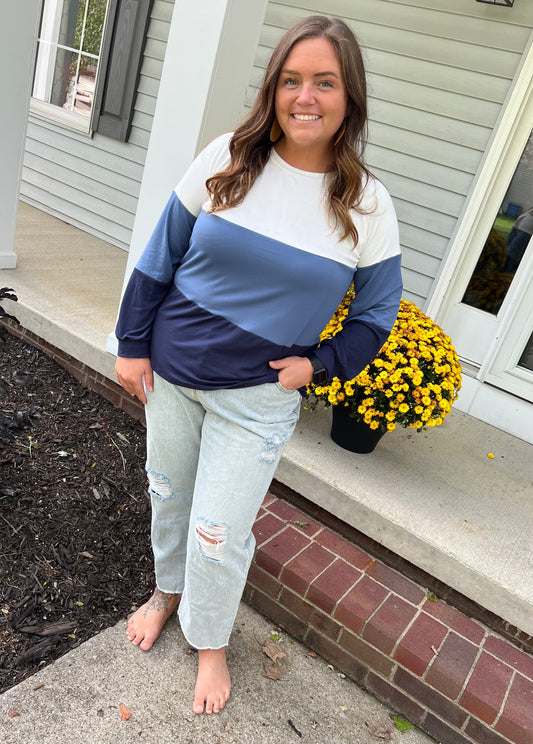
{"points": [[272, 446], [159, 486], [211, 539]]}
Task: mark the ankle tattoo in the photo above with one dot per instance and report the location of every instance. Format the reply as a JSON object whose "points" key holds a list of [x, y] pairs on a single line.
{"points": [[159, 601]]}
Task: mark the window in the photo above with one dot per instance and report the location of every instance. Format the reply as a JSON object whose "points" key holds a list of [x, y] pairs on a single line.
{"points": [[507, 241], [88, 62], [68, 55]]}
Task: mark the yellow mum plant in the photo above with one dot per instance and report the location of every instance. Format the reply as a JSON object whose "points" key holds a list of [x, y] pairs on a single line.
{"points": [[412, 382]]}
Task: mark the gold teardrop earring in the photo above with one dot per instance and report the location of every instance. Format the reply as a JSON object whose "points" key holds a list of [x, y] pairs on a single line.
{"points": [[275, 131], [340, 133]]}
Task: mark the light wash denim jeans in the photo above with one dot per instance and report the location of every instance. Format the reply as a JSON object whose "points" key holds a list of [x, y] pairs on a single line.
{"points": [[211, 456]]}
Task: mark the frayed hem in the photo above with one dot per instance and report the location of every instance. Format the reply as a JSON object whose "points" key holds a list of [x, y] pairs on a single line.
{"points": [[168, 591], [197, 647]]}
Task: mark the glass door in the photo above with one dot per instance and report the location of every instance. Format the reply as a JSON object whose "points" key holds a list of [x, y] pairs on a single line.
{"points": [[491, 321], [510, 365], [507, 241]]}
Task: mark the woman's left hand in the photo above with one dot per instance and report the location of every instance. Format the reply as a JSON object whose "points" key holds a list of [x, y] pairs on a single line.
{"points": [[294, 371]]}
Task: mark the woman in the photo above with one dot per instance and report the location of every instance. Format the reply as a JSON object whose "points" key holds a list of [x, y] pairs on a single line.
{"points": [[220, 323]]}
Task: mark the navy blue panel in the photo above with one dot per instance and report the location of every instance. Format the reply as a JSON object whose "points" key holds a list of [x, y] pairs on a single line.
{"points": [[194, 348], [142, 297]]}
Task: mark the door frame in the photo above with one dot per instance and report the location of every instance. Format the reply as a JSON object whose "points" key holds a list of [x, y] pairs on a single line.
{"points": [[502, 155], [480, 399]]}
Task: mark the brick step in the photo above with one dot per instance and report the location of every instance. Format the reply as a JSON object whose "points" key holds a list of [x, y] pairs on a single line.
{"points": [[446, 672]]}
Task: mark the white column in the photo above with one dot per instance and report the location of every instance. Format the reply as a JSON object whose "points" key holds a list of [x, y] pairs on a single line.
{"points": [[208, 62], [19, 23]]}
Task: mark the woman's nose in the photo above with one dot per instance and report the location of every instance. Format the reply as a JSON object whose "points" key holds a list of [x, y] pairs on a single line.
{"points": [[306, 95]]}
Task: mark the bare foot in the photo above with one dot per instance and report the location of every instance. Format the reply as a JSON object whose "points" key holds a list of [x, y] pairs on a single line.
{"points": [[145, 625], [213, 683]]}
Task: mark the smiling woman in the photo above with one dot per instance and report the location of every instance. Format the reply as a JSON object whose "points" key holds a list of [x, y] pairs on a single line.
{"points": [[311, 104], [220, 322]]}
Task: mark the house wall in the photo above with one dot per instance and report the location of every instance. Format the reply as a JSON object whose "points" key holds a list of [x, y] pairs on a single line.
{"points": [[438, 75], [94, 182]]}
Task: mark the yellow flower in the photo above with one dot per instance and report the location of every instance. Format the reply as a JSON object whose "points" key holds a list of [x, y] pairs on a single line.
{"points": [[412, 382]]}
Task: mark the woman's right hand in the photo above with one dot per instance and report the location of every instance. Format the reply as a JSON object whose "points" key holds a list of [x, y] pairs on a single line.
{"points": [[131, 373]]}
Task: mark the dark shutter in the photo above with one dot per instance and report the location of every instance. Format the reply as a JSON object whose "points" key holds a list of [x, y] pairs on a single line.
{"points": [[120, 60]]}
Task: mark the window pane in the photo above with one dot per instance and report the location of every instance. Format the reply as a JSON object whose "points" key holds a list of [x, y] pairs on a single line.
{"points": [[53, 74], [526, 360], [72, 14], [507, 240], [84, 86], [94, 27]]}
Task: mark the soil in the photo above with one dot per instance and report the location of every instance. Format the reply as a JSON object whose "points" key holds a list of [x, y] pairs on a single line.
{"points": [[75, 552]]}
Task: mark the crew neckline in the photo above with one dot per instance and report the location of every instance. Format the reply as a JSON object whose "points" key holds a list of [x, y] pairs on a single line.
{"points": [[283, 163]]}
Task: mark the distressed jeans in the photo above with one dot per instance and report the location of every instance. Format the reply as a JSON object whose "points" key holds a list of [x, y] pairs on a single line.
{"points": [[211, 455]]}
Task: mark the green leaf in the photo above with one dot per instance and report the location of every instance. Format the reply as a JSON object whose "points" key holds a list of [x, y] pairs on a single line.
{"points": [[432, 597], [402, 725]]}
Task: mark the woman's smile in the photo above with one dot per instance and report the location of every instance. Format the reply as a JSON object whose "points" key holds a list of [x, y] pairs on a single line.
{"points": [[305, 117]]}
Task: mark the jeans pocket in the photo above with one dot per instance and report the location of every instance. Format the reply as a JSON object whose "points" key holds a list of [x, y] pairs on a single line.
{"points": [[284, 389]]}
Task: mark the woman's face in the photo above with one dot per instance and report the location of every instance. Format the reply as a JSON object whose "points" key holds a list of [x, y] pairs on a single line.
{"points": [[311, 103]]}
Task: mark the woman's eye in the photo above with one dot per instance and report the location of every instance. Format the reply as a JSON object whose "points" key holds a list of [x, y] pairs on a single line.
{"points": [[325, 84], [291, 82]]}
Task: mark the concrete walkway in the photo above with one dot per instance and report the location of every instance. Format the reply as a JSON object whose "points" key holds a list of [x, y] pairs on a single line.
{"points": [[77, 699]]}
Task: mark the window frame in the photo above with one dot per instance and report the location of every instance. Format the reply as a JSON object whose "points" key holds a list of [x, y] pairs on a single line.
{"points": [[121, 53]]}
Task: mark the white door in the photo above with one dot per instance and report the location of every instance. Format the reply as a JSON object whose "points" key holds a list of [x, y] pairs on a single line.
{"points": [[488, 302], [495, 314]]}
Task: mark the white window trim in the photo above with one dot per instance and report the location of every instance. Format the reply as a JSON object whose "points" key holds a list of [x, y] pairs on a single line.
{"points": [[60, 116]]}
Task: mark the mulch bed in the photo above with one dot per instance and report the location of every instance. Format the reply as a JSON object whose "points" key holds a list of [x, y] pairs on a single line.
{"points": [[75, 552]]}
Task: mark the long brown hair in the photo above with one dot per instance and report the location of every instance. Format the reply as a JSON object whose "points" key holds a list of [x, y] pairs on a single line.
{"points": [[250, 145]]}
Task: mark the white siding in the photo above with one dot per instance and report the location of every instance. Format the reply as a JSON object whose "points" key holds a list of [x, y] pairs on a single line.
{"points": [[94, 182], [438, 77]]}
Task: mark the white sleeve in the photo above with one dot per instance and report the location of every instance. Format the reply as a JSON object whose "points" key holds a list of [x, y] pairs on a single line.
{"points": [[191, 190]]}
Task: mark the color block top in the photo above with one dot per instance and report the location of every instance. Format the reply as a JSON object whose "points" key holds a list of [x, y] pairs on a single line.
{"points": [[215, 297]]}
